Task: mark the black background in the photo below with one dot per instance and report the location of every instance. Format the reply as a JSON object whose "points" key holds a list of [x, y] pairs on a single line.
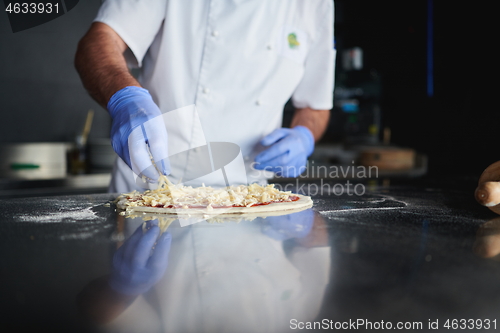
{"points": [[458, 127]]}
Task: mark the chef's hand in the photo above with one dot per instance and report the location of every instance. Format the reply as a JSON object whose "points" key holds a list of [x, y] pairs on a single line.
{"points": [[296, 225], [138, 122], [288, 151], [135, 269]]}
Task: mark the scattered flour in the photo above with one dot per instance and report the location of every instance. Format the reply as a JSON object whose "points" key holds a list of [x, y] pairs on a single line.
{"points": [[63, 216], [52, 211], [348, 210], [378, 203], [80, 235]]}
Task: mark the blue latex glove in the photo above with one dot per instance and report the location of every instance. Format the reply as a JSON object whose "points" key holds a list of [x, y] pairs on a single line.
{"points": [[296, 225], [137, 123], [288, 151], [135, 270]]}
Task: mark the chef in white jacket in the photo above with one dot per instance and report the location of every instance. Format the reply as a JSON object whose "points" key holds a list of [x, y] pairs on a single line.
{"points": [[210, 71]]}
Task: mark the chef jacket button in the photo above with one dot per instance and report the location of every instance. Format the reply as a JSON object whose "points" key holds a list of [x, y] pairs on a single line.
{"points": [[258, 102], [206, 90], [269, 46], [215, 33]]}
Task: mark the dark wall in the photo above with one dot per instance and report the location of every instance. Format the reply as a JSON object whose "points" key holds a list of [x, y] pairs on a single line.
{"points": [[41, 97], [457, 126]]}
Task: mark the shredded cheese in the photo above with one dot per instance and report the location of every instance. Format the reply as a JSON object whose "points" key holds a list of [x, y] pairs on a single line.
{"points": [[178, 196]]}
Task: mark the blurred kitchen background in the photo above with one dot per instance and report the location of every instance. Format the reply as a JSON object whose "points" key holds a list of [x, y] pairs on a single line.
{"points": [[414, 93]]}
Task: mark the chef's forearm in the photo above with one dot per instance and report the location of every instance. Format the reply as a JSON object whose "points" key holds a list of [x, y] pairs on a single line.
{"points": [[315, 120], [98, 303], [100, 62]]}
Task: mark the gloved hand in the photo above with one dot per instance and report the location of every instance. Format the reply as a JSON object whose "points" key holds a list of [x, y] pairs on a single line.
{"points": [[137, 123], [287, 156], [135, 270], [296, 225]]}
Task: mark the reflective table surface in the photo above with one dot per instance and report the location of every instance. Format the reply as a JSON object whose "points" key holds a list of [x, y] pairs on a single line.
{"points": [[419, 256]]}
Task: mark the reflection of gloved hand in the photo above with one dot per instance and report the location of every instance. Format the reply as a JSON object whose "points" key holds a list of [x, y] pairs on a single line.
{"points": [[137, 122], [288, 153], [296, 225], [134, 270]]}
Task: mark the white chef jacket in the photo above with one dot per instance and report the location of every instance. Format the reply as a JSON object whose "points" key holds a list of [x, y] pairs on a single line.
{"points": [[236, 61], [229, 277]]}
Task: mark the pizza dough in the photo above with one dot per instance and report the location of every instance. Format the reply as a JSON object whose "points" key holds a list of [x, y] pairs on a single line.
{"points": [[302, 203], [232, 200]]}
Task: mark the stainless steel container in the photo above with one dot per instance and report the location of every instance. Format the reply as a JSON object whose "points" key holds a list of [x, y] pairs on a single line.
{"points": [[33, 160]]}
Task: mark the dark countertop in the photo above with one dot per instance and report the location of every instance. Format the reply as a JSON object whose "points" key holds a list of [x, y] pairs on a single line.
{"points": [[411, 252]]}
